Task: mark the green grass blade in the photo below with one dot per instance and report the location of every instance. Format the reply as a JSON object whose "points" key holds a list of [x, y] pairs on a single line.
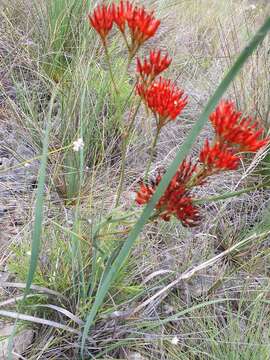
{"points": [[37, 228], [230, 194], [182, 153]]}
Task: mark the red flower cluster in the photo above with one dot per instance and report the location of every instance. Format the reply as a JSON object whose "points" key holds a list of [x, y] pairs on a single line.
{"points": [[154, 65], [176, 199], [121, 13], [233, 134], [235, 130], [142, 24], [218, 158], [102, 21], [164, 99]]}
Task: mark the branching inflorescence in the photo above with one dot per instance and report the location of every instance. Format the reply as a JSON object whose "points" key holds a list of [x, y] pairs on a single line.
{"points": [[140, 23], [152, 66], [164, 99], [234, 134]]}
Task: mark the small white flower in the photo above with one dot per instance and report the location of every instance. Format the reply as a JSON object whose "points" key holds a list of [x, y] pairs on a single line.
{"points": [[28, 253], [26, 165], [175, 340], [132, 195], [78, 144], [252, 7], [135, 356]]}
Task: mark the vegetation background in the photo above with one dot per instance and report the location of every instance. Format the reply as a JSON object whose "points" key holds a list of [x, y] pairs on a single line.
{"points": [[55, 88]]}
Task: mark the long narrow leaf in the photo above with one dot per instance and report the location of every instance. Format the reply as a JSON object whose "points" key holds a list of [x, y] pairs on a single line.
{"points": [[183, 151], [230, 194], [37, 229]]}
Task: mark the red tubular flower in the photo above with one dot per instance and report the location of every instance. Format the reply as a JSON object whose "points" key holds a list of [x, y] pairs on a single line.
{"points": [[120, 13], [218, 157], [154, 65], [176, 200], [144, 194], [142, 25], [102, 20], [164, 99], [188, 213], [234, 129], [184, 173]]}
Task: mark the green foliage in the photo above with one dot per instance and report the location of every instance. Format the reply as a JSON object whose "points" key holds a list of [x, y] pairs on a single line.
{"points": [[245, 336], [90, 108], [63, 35], [86, 105], [19, 264], [51, 261], [38, 219]]}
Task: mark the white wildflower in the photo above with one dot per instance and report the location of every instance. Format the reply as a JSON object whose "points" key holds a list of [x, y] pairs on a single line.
{"points": [[175, 340], [135, 356], [252, 7], [78, 144], [27, 165], [132, 195]]}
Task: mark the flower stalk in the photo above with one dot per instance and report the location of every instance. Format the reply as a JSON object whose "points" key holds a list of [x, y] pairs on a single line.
{"points": [[125, 143], [108, 58], [152, 152]]}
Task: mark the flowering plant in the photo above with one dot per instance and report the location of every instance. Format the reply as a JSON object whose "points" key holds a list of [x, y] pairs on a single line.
{"points": [[234, 134]]}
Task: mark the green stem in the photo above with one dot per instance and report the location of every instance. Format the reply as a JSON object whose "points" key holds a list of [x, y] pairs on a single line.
{"points": [[110, 68], [126, 41], [228, 195], [124, 153], [154, 143]]}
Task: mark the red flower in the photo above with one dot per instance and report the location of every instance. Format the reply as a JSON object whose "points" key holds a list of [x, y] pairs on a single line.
{"points": [[187, 212], [164, 99], [218, 157], [120, 13], [102, 20], [176, 200], [184, 174], [144, 194], [142, 25], [153, 65], [234, 129]]}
